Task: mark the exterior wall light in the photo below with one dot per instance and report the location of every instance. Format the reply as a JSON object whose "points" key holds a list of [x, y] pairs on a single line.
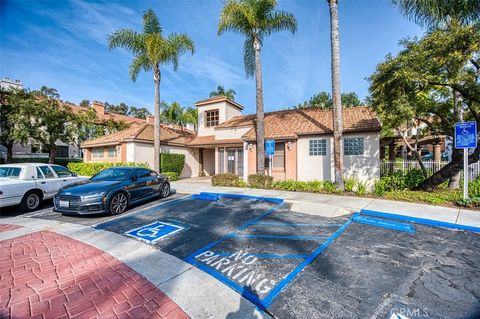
{"points": [[250, 146], [289, 145]]}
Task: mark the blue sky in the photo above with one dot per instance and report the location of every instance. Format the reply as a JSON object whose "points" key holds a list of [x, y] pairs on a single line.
{"points": [[62, 44]]}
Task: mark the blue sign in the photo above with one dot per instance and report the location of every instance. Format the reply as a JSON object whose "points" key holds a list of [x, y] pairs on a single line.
{"points": [[269, 147], [466, 135], [152, 232]]}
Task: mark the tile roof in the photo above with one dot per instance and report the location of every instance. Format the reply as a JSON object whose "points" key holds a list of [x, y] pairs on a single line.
{"points": [[217, 99], [292, 123], [210, 140], [108, 115], [142, 132]]}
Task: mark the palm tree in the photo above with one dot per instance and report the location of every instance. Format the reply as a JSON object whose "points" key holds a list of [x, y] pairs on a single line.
{"points": [[255, 19], [220, 91], [336, 95], [190, 115], [435, 13], [151, 50]]}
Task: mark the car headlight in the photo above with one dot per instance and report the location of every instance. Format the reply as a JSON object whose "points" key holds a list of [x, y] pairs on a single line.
{"points": [[93, 195]]}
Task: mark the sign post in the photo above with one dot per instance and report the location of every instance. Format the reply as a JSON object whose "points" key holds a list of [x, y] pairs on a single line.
{"points": [[465, 137], [270, 151]]}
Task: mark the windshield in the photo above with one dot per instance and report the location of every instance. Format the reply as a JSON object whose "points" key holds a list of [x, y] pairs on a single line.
{"points": [[10, 172], [112, 174]]}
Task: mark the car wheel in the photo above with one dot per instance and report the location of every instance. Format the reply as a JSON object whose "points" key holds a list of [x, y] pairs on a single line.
{"points": [[118, 203], [165, 191], [30, 201]]}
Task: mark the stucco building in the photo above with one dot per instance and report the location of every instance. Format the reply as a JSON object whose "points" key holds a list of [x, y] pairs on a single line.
{"points": [[225, 142]]}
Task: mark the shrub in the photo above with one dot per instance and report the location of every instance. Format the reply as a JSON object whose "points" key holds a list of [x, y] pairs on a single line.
{"points": [[229, 180], [172, 176], [474, 188], [171, 162], [413, 178], [260, 181], [379, 187], [329, 187], [361, 187], [349, 183], [92, 168]]}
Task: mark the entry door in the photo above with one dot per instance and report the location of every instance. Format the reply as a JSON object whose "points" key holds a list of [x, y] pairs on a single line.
{"points": [[231, 160]]}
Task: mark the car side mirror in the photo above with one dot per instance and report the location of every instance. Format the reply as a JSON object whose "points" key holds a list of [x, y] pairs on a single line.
{"points": [[74, 174], [134, 178]]}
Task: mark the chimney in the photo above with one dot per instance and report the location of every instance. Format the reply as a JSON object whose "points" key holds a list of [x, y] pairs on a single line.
{"points": [[98, 107], [150, 119]]}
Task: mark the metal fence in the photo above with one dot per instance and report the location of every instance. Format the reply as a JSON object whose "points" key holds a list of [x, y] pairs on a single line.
{"points": [[387, 167]]}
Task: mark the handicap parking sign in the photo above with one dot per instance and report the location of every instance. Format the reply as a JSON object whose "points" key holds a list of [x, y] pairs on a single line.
{"points": [[154, 231], [269, 147], [466, 135]]}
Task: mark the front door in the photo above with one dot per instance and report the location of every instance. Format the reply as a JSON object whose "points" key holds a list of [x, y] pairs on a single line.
{"points": [[231, 160]]}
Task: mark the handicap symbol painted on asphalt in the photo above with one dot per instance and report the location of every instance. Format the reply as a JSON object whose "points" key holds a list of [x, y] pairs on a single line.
{"points": [[154, 231]]}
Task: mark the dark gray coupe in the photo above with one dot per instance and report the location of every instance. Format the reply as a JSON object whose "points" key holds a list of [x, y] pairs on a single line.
{"points": [[111, 191]]}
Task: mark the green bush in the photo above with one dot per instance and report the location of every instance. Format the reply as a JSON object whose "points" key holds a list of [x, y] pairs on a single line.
{"points": [[172, 176], [92, 168], [171, 162], [349, 183], [229, 180], [260, 181], [413, 178], [329, 187], [474, 188], [379, 187], [361, 187]]}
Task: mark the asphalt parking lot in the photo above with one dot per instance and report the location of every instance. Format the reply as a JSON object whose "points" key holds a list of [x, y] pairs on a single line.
{"points": [[295, 265]]}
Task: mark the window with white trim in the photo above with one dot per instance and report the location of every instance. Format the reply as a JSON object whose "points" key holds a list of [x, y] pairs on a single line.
{"points": [[317, 147], [97, 152], [353, 146]]}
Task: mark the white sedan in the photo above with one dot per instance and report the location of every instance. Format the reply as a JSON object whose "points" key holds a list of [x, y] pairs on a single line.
{"points": [[29, 183]]}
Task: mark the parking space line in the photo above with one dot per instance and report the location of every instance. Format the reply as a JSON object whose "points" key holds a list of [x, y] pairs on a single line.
{"points": [[279, 224], [39, 212], [278, 288], [103, 225], [279, 237]]}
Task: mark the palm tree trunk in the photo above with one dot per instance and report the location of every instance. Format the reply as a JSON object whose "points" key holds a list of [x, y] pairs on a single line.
{"points": [[454, 182], [336, 95], [260, 126], [156, 116]]}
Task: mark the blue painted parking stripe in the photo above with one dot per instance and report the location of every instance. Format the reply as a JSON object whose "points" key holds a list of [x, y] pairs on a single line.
{"points": [[147, 211], [279, 237], [384, 223], [422, 221], [278, 289], [280, 224], [267, 256], [240, 196]]}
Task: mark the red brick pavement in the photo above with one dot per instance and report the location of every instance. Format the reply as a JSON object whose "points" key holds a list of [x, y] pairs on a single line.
{"points": [[47, 275], [7, 227]]}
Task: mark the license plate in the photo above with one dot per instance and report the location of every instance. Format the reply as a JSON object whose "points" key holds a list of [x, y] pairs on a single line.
{"points": [[64, 203]]}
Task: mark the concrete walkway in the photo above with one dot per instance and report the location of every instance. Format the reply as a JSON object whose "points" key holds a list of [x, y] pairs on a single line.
{"points": [[337, 205]]}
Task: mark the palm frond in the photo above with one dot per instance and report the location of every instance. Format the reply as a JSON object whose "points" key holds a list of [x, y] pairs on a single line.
{"points": [[249, 56], [126, 38], [139, 63], [150, 22], [237, 17], [280, 21], [178, 44]]}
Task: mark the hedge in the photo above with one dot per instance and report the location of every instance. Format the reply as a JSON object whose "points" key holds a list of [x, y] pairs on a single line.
{"points": [[64, 161], [171, 162], [92, 168], [260, 181], [172, 176], [228, 180]]}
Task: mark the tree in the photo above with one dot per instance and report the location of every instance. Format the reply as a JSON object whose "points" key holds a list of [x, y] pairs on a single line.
{"points": [[85, 103], [12, 101], [172, 113], [433, 14], [220, 91], [140, 112], [419, 81], [151, 49], [190, 115], [121, 108], [337, 100], [44, 119], [323, 100], [255, 19]]}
